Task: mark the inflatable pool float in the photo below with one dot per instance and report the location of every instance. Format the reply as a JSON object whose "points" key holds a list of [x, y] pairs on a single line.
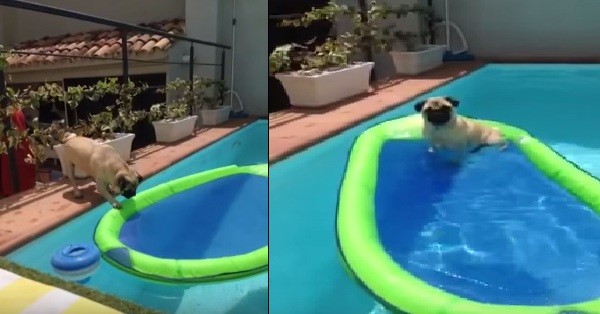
{"points": [[204, 227], [76, 262], [360, 241]]}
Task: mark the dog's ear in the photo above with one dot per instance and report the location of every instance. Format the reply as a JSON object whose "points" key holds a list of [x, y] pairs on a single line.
{"points": [[419, 105], [453, 101]]}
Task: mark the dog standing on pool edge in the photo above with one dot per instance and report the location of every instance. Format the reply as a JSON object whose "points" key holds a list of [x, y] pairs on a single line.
{"points": [[444, 129], [112, 174]]}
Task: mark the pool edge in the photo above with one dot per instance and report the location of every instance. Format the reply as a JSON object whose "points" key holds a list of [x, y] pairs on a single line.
{"points": [[10, 245], [469, 67]]}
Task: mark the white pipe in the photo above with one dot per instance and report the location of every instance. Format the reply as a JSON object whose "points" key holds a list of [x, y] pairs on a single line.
{"points": [[447, 8], [233, 22], [465, 47], [234, 93]]}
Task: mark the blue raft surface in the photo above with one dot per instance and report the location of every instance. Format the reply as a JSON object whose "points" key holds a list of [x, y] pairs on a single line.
{"points": [[494, 230], [224, 217]]}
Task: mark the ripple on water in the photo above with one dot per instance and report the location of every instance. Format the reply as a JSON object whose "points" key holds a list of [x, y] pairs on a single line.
{"points": [[500, 234]]}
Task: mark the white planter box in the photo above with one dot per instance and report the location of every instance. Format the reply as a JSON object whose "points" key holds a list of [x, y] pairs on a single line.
{"points": [[415, 62], [50, 153], [171, 131], [121, 143], [215, 116], [327, 87]]}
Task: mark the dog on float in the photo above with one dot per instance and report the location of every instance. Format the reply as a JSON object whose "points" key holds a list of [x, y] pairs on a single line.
{"points": [[443, 128]]}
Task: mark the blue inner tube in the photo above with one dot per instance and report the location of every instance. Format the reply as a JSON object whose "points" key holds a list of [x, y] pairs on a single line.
{"points": [[494, 230], [219, 218], [75, 257]]}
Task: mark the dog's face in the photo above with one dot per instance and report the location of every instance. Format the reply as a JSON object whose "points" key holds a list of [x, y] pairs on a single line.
{"points": [[127, 183], [437, 111]]}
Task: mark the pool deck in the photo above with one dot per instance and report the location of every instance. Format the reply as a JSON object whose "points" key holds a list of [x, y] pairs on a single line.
{"points": [[30, 214], [296, 129]]}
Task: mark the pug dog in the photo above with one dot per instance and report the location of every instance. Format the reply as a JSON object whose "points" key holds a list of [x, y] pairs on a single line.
{"points": [[443, 128], [112, 174]]}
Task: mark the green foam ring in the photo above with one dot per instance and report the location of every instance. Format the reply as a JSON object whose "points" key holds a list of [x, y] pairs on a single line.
{"points": [[394, 287], [143, 265]]}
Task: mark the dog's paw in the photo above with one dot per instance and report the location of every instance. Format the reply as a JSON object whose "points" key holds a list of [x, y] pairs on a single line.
{"points": [[116, 205]]}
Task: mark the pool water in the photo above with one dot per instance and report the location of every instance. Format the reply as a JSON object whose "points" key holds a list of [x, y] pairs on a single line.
{"points": [[247, 146], [557, 103], [481, 232], [229, 226]]}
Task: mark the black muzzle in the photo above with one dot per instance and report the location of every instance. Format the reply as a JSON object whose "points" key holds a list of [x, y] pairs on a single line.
{"points": [[438, 116]]}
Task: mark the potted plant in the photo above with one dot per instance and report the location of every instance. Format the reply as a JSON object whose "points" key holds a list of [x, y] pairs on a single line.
{"points": [[38, 139], [11, 137], [212, 108], [42, 139], [327, 73], [171, 120], [409, 50], [113, 125]]}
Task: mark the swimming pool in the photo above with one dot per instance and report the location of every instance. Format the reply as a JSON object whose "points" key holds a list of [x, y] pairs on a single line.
{"points": [[246, 146], [554, 102]]}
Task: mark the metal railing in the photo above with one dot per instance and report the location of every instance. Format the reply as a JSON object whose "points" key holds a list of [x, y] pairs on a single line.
{"points": [[124, 29]]}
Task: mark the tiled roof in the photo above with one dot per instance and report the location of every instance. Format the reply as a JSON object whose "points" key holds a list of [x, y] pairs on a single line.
{"points": [[99, 43]]}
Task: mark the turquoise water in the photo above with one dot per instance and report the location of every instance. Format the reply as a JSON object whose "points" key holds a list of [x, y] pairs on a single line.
{"points": [[247, 146], [556, 103]]}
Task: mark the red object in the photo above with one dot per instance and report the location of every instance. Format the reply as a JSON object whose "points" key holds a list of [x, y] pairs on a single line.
{"points": [[25, 170]]}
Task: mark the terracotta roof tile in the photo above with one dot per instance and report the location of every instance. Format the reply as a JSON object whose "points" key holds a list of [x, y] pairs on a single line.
{"points": [[99, 43], [92, 51], [137, 45], [163, 43]]}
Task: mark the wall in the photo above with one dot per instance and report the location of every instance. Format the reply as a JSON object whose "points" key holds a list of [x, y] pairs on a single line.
{"points": [[5, 20], [211, 20], [532, 28], [201, 23], [26, 25], [251, 52]]}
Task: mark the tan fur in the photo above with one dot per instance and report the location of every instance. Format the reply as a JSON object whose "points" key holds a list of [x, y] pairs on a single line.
{"points": [[459, 134], [100, 161]]}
